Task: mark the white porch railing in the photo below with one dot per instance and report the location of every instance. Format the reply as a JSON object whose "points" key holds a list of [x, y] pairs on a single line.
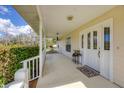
{"points": [[33, 66], [30, 71]]}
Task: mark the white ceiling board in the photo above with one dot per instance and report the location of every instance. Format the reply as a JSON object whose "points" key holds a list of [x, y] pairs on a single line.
{"points": [[55, 16]]}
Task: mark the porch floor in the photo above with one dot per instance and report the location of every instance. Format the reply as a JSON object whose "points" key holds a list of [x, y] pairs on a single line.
{"points": [[60, 71]]}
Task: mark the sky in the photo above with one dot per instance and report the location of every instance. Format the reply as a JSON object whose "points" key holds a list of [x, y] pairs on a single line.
{"points": [[11, 22]]}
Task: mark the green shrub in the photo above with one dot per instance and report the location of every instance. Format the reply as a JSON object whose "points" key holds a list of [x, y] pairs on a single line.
{"points": [[10, 58]]}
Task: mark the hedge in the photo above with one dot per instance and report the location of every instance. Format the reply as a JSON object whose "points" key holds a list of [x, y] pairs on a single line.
{"points": [[10, 58]]}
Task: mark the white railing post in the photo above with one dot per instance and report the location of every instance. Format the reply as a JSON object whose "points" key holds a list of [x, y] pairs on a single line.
{"points": [[25, 65], [26, 79], [26, 71]]}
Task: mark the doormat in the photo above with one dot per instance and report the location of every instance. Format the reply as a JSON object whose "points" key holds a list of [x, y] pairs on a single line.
{"points": [[88, 71]]}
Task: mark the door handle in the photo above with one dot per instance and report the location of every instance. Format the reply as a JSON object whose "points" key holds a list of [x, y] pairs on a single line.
{"points": [[99, 54]]}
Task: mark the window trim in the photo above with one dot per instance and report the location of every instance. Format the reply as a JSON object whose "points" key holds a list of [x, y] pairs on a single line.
{"points": [[68, 44]]}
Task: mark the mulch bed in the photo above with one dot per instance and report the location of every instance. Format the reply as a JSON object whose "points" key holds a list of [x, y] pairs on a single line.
{"points": [[33, 83]]}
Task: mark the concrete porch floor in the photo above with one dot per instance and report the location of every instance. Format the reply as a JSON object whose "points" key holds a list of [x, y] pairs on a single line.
{"points": [[60, 71]]}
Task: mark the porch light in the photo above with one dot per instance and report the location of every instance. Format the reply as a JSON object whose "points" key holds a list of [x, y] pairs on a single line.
{"points": [[57, 38]]}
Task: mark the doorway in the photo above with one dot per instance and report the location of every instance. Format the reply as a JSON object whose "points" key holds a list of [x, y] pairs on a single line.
{"points": [[96, 48]]}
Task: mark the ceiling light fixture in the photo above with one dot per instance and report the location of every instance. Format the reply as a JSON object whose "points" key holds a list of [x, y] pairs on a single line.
{"points": [[57, 36], [70, 18]]}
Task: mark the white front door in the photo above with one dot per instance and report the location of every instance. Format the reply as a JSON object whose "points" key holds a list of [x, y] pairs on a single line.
{"points": [[96, 48], [92, 54], [90, 48], [105, 52]]}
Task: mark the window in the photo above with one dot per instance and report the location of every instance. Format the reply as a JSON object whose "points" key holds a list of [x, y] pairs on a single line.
{"points": [[82, 41], [95, 40], [106, 38], [68, 44], [88, 40]]}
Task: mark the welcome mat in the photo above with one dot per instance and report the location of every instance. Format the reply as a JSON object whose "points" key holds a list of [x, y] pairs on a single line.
{"points": [[88, 71]]}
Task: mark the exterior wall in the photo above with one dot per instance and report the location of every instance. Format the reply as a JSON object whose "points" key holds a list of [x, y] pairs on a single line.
{"points": [[62, 45], [118, 43]]}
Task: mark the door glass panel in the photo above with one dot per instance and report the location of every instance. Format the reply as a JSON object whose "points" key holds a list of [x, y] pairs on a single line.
{"points": [[95, 40], [68, 44], [106, 38], [82, 41], [88, 40]]}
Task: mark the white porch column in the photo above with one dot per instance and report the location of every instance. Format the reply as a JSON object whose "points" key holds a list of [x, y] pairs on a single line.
{"points": [[40, 39], [42, 53], [45, 42], [40, 46]]}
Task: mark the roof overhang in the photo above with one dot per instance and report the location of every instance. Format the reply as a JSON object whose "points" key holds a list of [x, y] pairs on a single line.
{"points": [[30, 14], [55, 17]]}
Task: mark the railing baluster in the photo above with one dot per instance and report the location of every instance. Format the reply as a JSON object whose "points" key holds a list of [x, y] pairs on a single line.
{"points": [[25, 65], [33, 68], [36, 66], [29, 71]]}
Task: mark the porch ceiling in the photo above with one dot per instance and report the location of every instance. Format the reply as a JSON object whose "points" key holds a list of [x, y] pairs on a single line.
{"points": [[29, 13], [55, 16]]}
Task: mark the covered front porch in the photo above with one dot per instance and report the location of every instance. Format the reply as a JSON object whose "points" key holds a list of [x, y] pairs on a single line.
{"points": [[60, 71], [97, 31]]}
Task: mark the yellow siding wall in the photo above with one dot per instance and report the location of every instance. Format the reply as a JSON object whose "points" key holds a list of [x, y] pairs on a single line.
{"points": [[117, 14]]}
